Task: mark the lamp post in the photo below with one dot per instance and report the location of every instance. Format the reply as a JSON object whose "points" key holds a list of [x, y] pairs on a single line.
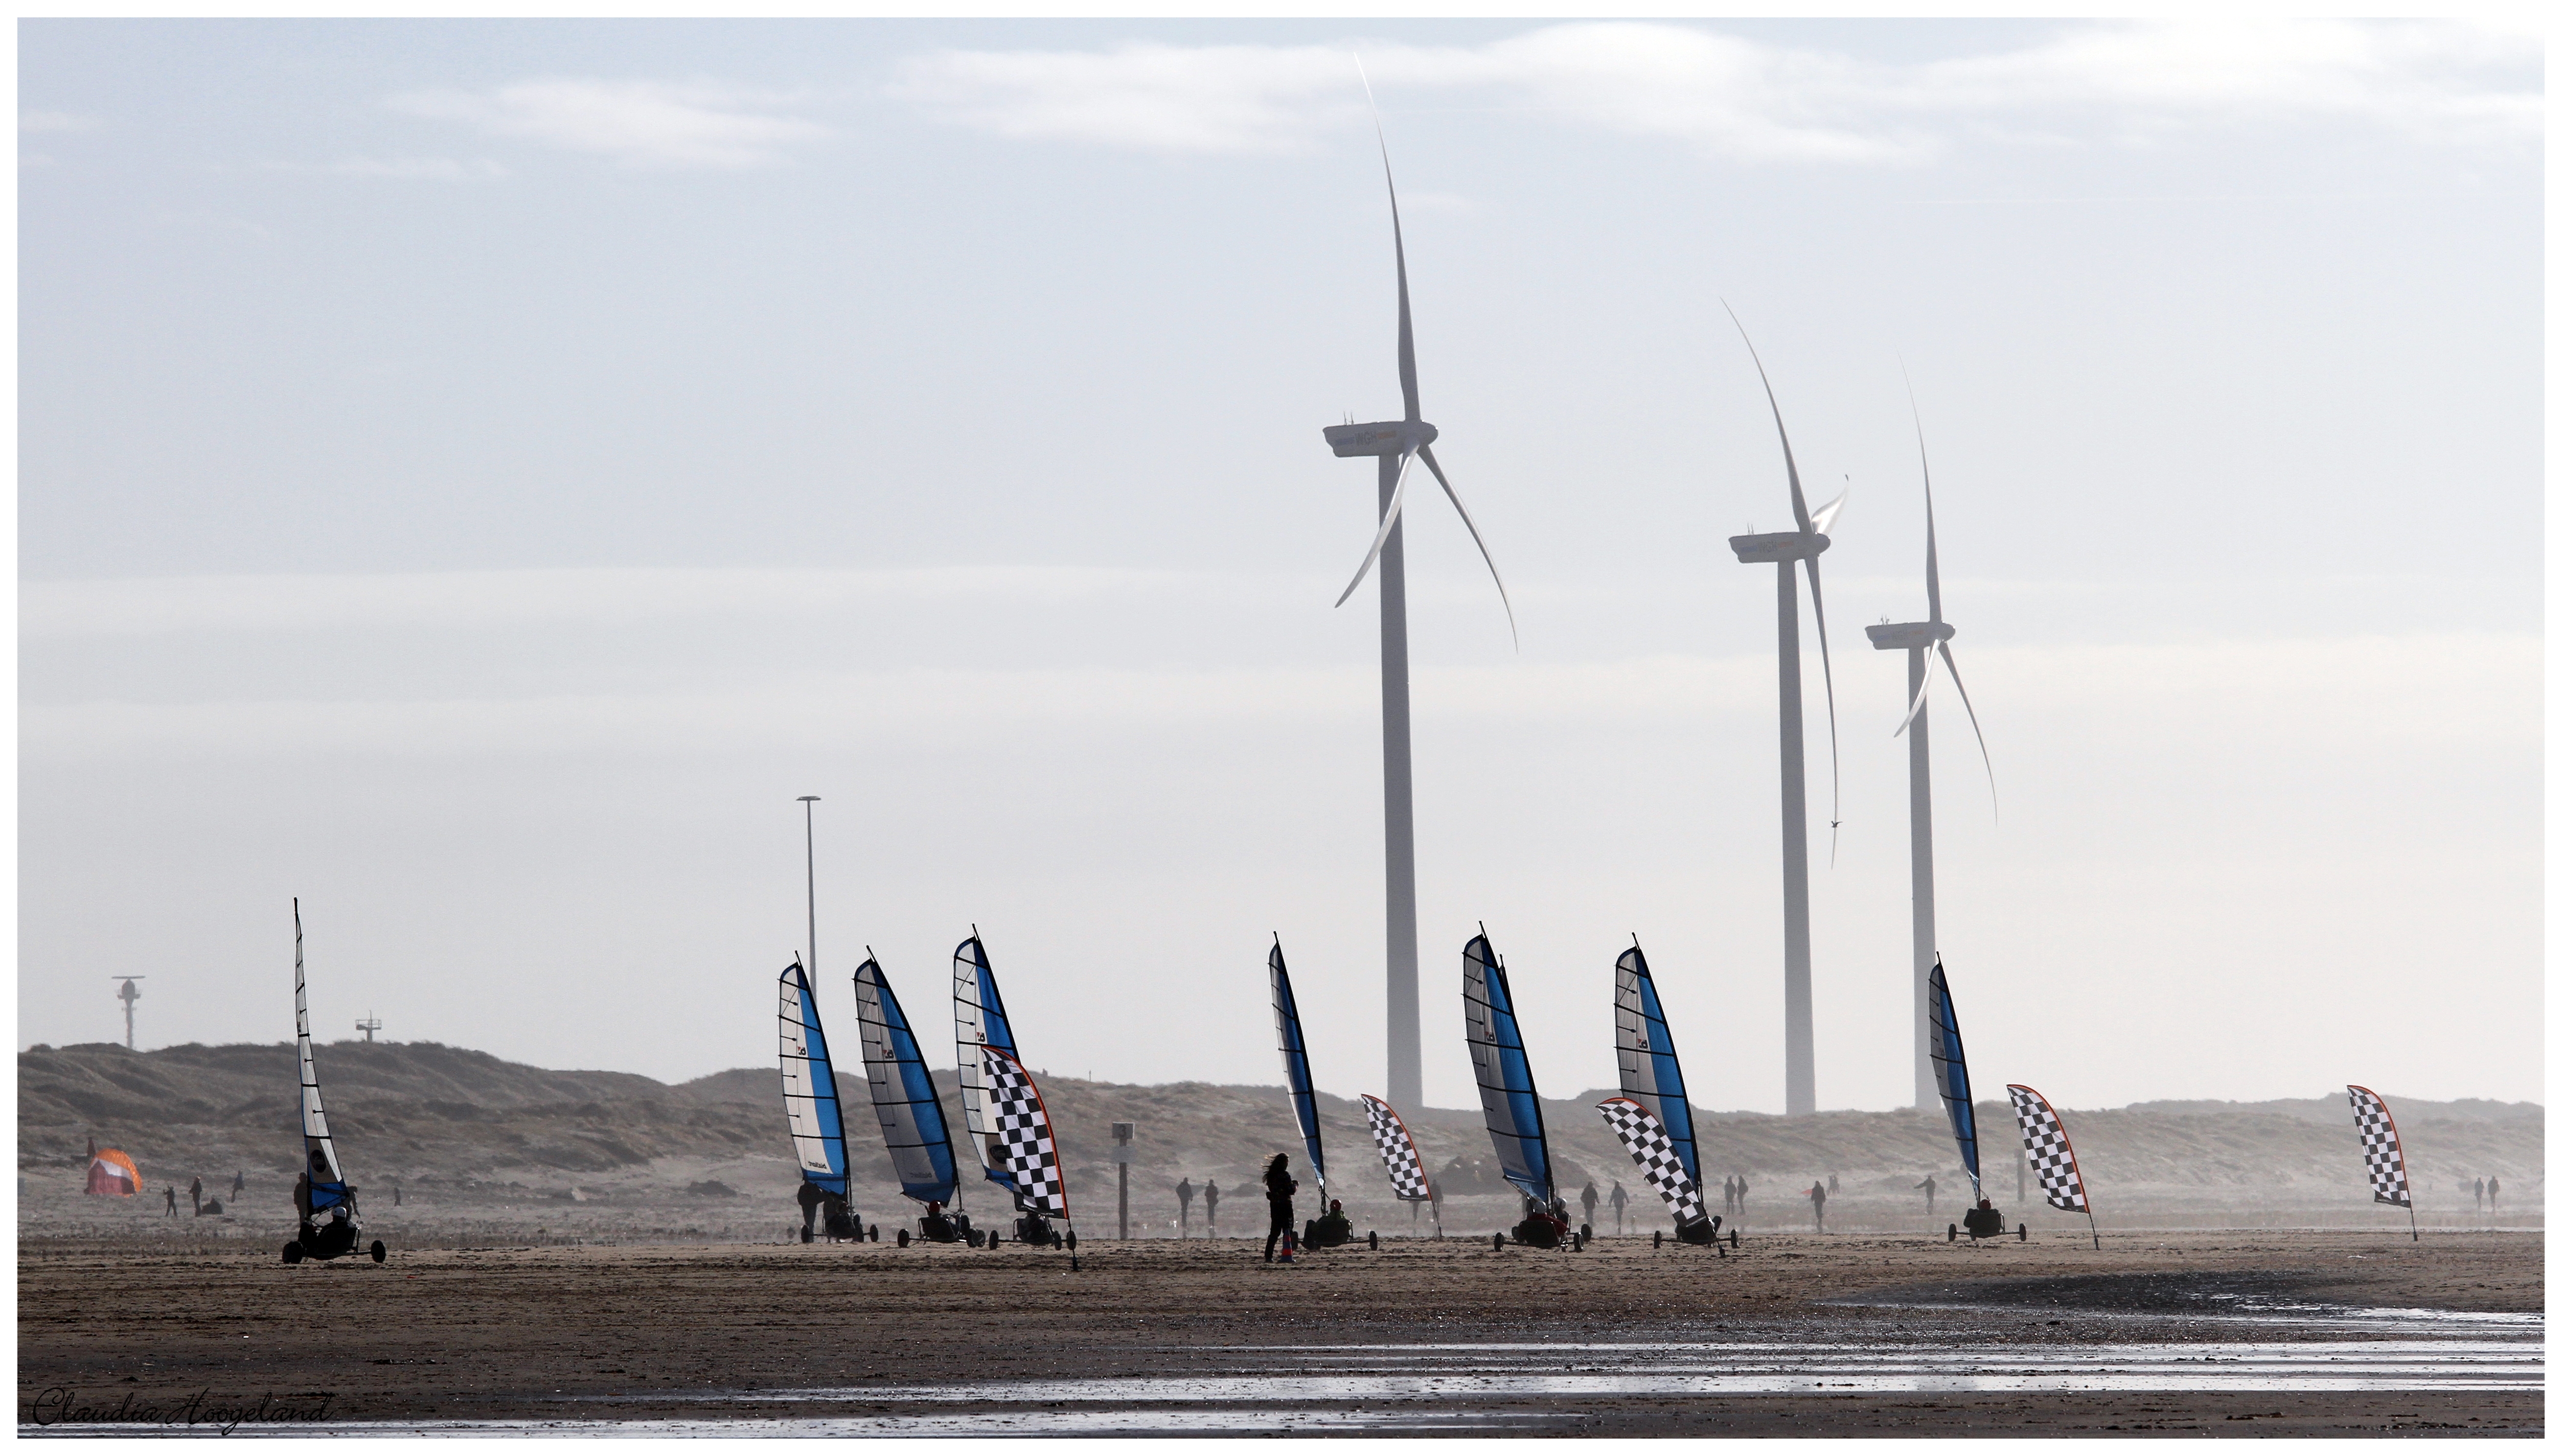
{"points": [[809, 842], [1122, 1133]]}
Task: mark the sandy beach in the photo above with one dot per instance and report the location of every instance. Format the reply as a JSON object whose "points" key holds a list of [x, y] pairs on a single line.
{"points": [[883, 1334]]}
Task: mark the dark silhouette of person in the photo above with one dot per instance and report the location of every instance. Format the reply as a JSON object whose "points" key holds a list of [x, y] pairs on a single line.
{"points": [[1618, 1207], [1209, 1207], [1184, 1196], [1542, 1226], [2477, 1194], [1329, 1229], [2494, 1195], [1591, 1199], [1730, 1195], [937, 1224], [1740, 1189], [196, 1195], [1817, 1193], [171, 1193], [240, 1181], [1930, 1187], [1983, 1220], [810, 1198], [1278, 1187], [1835, 1181], [396, 1197]]}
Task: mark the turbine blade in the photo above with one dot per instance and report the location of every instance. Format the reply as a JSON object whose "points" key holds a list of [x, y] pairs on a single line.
{"points": [[1470, 522], [1930, 517], [1832, 725], [1796, 495], [1952, 658], [1823, 519], [1404, 308], [1387, 524], [1929, 676]]}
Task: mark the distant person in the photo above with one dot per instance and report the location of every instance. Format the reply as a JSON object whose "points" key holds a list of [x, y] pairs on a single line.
{"points": [[2477, 1194], [171, 1194], [1740, 1189], [1184, 1196], [1618, 1206], [1592, 1201], [1930, 1187], [1983, 1220], [240, 1182], [1817, 1195], [195, 1197], [810, 1198], [1836, 1183], [396, 1195], [1542, 1226], [1209, 1207], [1329, 1229], [2494, 1195], [1730, 1196], [1278, 1187], [938, 1225]]}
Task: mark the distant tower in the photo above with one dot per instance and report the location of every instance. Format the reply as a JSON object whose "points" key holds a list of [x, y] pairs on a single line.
{"points": [[129, 996], [371, 1025]]}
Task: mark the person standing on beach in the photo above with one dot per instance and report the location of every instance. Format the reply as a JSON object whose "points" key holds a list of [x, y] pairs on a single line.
{"points": [[1930, 1187], [195, 1196], [2477, 1192], [1591, 1199], [1210, 1206], [1278, 1185], [240, 1181], [171, 1194], [1618, 1206], [2494, 1195], [1817, 1193], [1740, 1189], [1730, 1196], [1184, 1196]]}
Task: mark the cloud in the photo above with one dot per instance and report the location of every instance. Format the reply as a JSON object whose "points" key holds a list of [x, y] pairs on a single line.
{"points": [[1756, 101], [55, 121], [434, 169], [639, 124]]}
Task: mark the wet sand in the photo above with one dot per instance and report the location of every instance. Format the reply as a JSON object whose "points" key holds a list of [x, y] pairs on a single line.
{"points": [[947, 1338]]}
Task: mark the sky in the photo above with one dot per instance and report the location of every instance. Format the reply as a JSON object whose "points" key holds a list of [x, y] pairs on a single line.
{"points": [[476, 477]]}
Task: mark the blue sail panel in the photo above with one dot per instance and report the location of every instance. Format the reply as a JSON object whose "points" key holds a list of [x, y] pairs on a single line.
{"points": [[1504, 1082], [979, 1023], [1294, 1065], [810, 1087], [1949, 1059], [1650, 1074], [903, 1095]]}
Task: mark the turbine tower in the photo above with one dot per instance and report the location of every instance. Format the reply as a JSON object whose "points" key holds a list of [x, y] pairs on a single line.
{"points": [[1396, 444], [1926, 646], [1786, 549]]}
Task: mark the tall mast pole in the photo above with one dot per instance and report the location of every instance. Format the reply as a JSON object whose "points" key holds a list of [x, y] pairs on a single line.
{"points": [[809, 841]]}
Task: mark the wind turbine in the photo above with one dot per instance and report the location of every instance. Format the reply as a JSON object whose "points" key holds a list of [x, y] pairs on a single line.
{"points": [[1788, 548], [1926, 646], [1396, 444]]}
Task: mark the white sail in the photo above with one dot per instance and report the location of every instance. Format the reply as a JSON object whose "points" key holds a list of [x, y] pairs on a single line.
{"points": [[319, 1153], [978, 1025], [810, 1102]]}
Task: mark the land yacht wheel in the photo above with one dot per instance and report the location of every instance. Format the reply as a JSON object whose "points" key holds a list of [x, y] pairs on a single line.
{"points": [[378, 1251], [293, 1253]]}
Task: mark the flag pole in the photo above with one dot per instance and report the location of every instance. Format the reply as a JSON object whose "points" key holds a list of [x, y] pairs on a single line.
{"points": [[2412, 1208], [2095, 1222]]}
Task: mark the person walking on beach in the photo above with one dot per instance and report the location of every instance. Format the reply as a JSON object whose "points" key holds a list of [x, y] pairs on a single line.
{"points": [[1835, 1182], [1740, 1189], [1930, 1187], [2477, 1192], [1618, 1206], [240, 1181], [1591, 1199], [1210, 1206], [1817, 1193], [2494, 1195], [195, 1196], [1278, 1185], [1184, 1196], [1730, 1196], [171, 1194]]}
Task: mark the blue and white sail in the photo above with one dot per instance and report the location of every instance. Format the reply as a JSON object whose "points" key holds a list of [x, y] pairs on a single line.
{"points": [[977, 1023], [1504, 1082], [1294, 1066], [1650, 1074], [319, 1153], [1949, 1060], [810, 1088], [903, 1095]]}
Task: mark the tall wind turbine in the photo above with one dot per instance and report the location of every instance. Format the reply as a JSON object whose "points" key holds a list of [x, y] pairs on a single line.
{"points": [[1788, 548], [1926, 646], [1396, 444]]}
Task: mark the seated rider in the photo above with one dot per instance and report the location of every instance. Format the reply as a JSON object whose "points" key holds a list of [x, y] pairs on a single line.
{"points": [[1983, 1220], [938, 1225], [1033, 1230], [810, 1196], [839, 1220], [1544, 1225], [1330, 1228]]}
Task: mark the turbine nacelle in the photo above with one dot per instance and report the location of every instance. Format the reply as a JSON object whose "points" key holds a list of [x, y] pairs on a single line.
{"points": [[1780, 546], [1896, 637], [1385, 438]]}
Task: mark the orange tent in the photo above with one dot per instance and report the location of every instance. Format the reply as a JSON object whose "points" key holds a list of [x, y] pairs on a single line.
{"points": [[111, 1172]]}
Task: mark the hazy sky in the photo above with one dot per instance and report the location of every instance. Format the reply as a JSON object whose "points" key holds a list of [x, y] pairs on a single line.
{"points": [[475, 475]]}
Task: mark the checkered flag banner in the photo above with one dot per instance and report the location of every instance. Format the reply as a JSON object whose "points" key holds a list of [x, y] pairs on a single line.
{"points": [[2050, 1152], [1397, 1150], [1652, 1146], [1019, 1136], [2383, 1148]]}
